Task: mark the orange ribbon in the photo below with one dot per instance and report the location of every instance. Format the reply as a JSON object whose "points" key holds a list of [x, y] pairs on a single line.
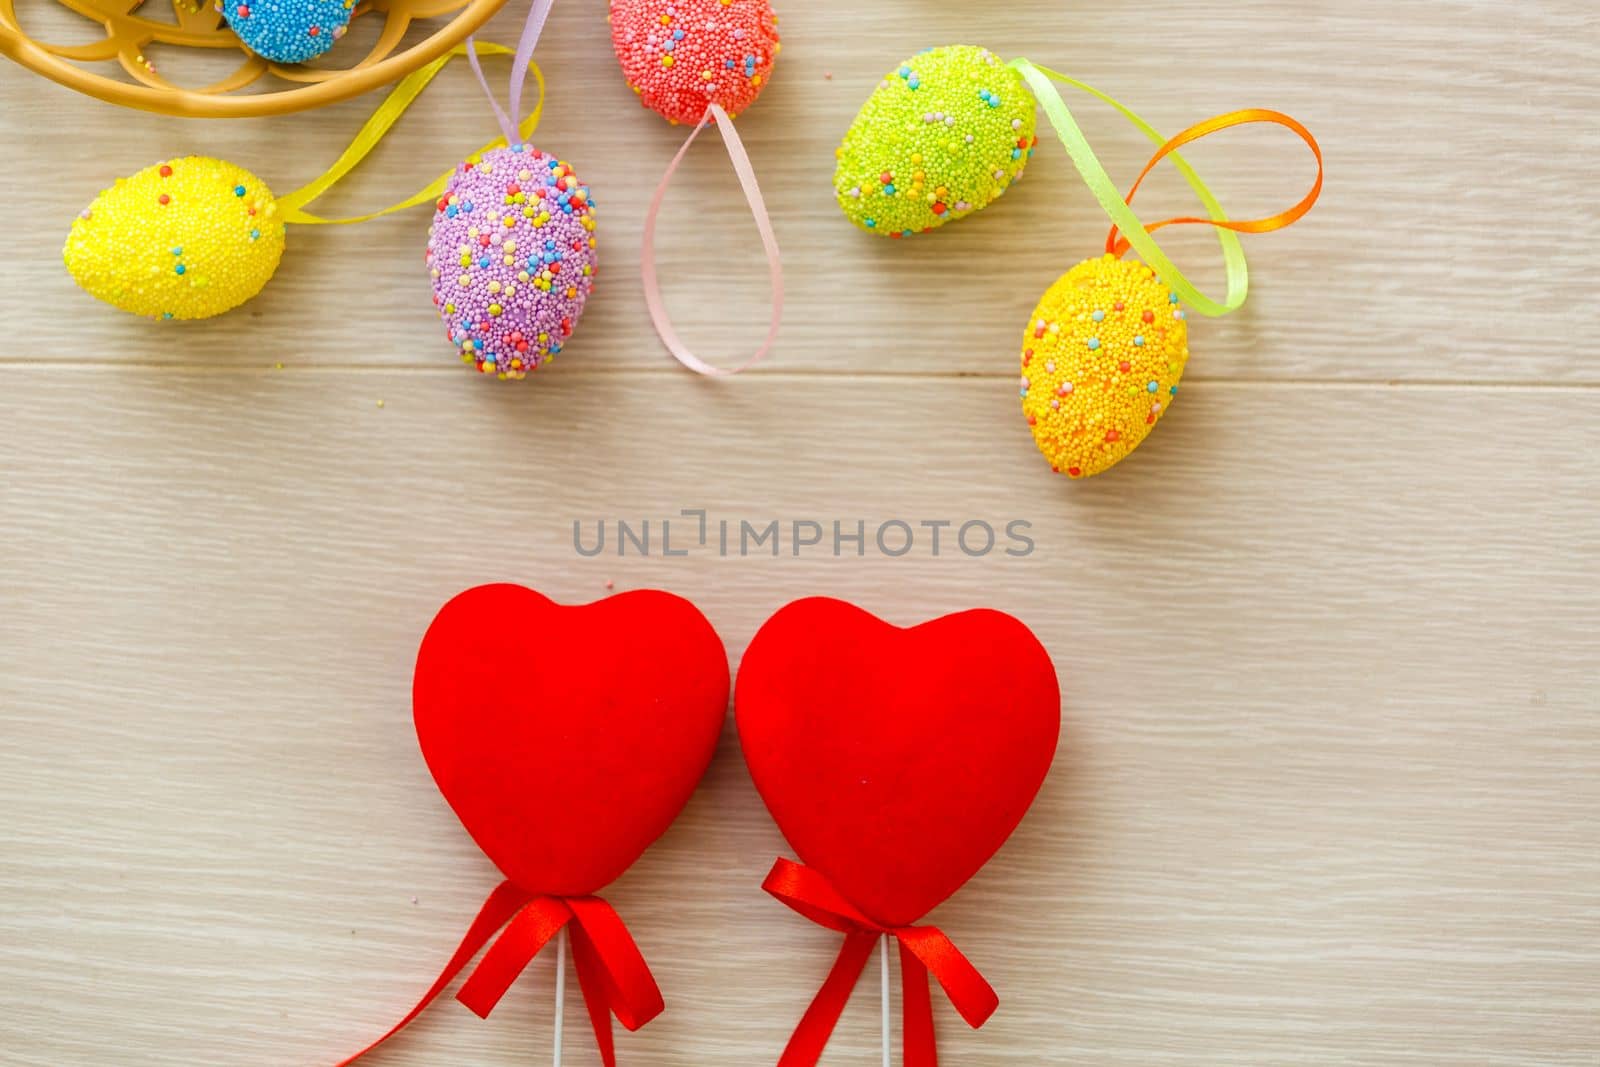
{"points": [[611, 971], [924, 951], [1118, 245]]}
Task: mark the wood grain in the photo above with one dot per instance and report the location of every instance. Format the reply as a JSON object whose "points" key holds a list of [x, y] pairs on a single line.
{"points": [[1329, 793], [1433, 256]]}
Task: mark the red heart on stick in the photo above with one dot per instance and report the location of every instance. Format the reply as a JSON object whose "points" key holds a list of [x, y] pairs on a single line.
{"points": [[568, 738], [896, 761]]}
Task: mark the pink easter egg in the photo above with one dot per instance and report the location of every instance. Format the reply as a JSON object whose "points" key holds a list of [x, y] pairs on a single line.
{"points": [[681, 56], [512, 256]]}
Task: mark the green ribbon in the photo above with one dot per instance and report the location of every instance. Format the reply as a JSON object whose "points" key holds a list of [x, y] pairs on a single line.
{"points": [[1040, 80]]}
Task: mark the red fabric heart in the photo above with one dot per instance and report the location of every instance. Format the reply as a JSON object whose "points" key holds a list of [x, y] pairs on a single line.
{"points": [[568, 738], [896, 761]]}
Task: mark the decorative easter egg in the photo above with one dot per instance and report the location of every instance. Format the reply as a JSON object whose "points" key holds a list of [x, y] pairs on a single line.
{"points": [[184, 239], [945, 134], [1101, 360], [681, 56], [288, 31], [512, 255]]}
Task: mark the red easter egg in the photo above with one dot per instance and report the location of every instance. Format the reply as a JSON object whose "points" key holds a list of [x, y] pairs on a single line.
{"points": [[681, 56], [896, 761], [568, 738]]}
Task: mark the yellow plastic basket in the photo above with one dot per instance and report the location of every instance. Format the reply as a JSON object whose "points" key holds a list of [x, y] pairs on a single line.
{"points": [[237, 95]]}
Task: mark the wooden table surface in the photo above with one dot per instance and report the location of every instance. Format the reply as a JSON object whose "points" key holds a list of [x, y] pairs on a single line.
{"points": [[1329, 791]]}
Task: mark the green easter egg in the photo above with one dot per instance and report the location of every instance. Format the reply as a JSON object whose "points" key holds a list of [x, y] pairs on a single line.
{"points": [[944, 135]]}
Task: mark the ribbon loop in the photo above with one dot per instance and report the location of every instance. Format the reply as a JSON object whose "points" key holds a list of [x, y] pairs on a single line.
{"points": [[967, 989], [611, 971], [533, 928], [769, 242], [1119, 247], [1135, 234], [808, 892], [924, 951], [634, 997], [521, 63], [292, 205], [1094, 175]]}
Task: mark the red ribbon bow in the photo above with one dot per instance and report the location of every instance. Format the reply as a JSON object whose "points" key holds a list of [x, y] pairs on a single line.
{"points": [[611, 971], [924, 950]]}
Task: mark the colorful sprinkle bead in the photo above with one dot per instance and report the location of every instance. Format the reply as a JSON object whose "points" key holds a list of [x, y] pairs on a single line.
{"points": [[288, 31], [511, 284], [681, 56], [944, 135], [1094, 401], [174, 241]]}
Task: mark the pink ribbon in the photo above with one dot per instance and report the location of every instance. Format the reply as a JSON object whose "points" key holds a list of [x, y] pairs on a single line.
{"points": [[769, 241], [532, 27]]}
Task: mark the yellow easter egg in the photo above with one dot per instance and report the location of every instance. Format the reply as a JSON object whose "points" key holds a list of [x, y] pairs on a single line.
{"points": [[1101, 361], [942, 136], [184, 239]]}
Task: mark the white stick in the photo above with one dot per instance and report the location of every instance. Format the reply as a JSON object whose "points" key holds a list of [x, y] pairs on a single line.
{"points": [[884, 955], [561, 987]]}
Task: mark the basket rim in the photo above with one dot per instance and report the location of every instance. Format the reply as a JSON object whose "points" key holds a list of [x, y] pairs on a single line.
{"points": [[189, 103]]}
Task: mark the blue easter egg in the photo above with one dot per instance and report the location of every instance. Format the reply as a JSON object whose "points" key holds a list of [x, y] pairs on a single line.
{"points": [[288, 31]]}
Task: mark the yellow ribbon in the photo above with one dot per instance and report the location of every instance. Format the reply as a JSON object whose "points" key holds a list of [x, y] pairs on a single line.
{"points": [[1123, 216], [292, 205]]}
